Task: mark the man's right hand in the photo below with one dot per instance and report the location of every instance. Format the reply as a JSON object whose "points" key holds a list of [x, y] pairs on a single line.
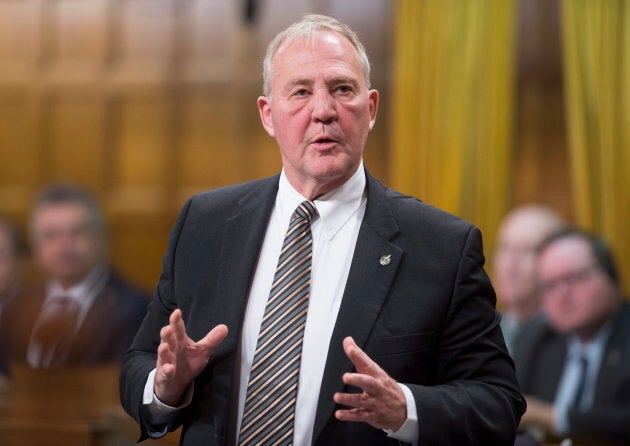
{"points": [[180, 359]]}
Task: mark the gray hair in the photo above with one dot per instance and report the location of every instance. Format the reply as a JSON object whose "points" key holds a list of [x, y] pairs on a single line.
{"points": [[61, 194], [306, 29]]}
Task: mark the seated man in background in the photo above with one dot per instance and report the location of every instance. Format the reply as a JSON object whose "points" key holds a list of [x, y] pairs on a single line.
{"points": [[83, 314], [576, 369], [11, 263], [514, 262], [11, 259]]}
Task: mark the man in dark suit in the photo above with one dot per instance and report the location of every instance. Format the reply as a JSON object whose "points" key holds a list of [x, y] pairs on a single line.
{"points": [[84, 314], [576, 369], [514, 265], [11, 268], [402, 341]]}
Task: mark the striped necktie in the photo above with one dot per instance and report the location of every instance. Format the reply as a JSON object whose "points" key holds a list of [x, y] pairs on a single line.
{"points": [[272, 389], [581, 384]]}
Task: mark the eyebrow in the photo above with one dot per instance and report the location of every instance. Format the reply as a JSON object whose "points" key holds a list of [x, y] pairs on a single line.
{"points": [[333, 81]]}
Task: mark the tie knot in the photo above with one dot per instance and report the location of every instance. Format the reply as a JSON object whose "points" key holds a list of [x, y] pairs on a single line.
{"points": [[305, 211]]}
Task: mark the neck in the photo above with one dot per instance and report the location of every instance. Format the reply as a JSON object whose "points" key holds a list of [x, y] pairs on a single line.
{"points": [[524, 309]]}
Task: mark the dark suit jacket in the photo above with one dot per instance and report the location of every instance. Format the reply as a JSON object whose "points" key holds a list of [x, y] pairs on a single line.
{"points": [[540, 366], [427, 318], [105, 334]]}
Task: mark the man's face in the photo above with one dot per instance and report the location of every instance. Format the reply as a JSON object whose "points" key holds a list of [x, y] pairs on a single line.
{"points": [[577, 295], [319, 111], [514, 259], [66, 243], [514, 263], [8, 263]]}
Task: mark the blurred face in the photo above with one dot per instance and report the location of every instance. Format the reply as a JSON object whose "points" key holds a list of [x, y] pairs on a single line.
{"points": [[319, 111], [67, 245], [8, 263], [577, 296], [515, 257]]}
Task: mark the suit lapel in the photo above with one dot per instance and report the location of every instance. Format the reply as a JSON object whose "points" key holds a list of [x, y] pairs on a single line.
{"points": [[242, 240], [369, 281], [614, 363]]}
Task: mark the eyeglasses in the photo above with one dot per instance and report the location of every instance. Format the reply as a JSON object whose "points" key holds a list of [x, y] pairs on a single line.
{"points": [[569, 280]]}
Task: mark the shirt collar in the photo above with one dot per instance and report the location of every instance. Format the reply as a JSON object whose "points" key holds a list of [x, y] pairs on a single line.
{"points": [[334, 208], [95, 279], [592, 348]]}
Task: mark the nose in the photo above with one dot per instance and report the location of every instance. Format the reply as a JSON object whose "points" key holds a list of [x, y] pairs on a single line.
{"points": [[324, 108]]}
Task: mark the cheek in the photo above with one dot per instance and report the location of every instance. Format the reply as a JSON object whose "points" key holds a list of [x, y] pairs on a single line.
{"points": [[556, 310]]}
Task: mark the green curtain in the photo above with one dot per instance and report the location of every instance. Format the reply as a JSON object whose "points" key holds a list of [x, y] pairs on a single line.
{"points": [[452, 114], [597, 78]]}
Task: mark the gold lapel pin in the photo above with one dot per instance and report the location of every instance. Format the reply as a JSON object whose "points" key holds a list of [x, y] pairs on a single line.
{"points": [[385, 260]]}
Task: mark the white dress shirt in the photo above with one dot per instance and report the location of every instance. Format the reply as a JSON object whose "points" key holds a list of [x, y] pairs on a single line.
{"points": [[334, 233]]}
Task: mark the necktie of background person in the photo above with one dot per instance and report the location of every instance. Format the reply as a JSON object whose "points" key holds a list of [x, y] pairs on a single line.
{"points": [[272, 389], [581, 383], [55, 329]]}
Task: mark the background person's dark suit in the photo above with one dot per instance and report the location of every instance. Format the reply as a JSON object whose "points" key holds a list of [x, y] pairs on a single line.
{"points": [[540, 368], [104, 335], [427, 318]]}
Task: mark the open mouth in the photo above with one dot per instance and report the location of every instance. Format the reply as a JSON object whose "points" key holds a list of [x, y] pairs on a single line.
{"points": [[324, 143]]}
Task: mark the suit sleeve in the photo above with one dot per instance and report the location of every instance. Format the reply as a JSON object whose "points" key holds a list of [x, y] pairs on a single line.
{"points": [[476, 399], [141, 357]]}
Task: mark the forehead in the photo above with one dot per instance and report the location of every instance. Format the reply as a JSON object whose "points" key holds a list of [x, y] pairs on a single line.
{"points": [[61, 213], [566, 254], [320, 51], [527, 228]]}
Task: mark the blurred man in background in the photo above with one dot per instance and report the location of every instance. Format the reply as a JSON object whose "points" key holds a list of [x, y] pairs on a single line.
{"points": [[11, 261], [11, 265], [520, 233], [576, 368], [83, 314]]}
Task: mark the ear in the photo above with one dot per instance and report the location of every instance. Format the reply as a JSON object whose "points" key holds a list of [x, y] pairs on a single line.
{"points": [[264, 109], [373, 98]]}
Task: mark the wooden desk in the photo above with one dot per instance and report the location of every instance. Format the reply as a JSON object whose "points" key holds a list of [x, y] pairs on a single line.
{"points": [[66, 407]]}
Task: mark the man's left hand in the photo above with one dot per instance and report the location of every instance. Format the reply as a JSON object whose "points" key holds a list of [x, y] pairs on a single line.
{"points": [[382, 403]]}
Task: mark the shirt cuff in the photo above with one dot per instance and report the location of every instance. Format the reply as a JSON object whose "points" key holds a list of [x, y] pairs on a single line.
{"points": [[160, 415], [408, 432]]}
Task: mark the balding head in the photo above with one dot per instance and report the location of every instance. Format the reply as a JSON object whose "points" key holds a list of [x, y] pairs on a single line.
{"points": [[520, 233]]}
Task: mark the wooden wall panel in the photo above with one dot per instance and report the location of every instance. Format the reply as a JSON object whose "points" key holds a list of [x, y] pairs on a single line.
{"points": [[140, 140], [145, 102], [19, 165], [146, 29], [77, 31], [73, 141], [18, 35], [206, 147]]}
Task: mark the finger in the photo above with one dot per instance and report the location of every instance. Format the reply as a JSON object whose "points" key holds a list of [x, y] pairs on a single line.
{"points": [[352, 415], [167, 372], [164, 352], [367, 383], [212, 340], [176, 321], [353, 400], [360, 359]]}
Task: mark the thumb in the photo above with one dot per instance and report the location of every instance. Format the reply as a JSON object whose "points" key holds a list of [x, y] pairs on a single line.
{"points": [[213, 339]]}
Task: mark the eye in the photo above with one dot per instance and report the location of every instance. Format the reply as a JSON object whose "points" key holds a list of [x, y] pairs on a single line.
{"points": [[344, 89], [300, 92]]}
